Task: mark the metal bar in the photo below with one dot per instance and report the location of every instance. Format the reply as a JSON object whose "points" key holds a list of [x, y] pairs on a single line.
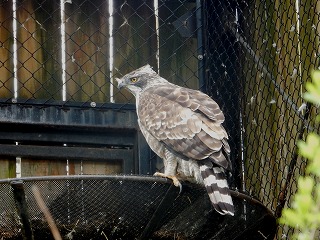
{"points": [[63, 50], [120, 177], [15, 48], [156, 15], [111, 49], [200, 47], [128, 164], [143, 155], [123, 177], [62, 152], [62, 104], [22, 209], [74, 117], [67, 136]]}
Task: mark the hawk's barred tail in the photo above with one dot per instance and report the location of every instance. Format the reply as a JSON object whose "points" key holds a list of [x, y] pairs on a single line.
{"points": [[217, 187]]}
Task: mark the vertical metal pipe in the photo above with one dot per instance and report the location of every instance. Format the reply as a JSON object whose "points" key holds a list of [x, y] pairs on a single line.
{"points": [[111, 50], [63, 49], [200, 47], [22, 209], [15, 49], [156, 14]]}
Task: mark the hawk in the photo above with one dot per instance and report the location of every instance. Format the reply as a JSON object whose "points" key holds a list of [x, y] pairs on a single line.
{"points": [[183, 127]]}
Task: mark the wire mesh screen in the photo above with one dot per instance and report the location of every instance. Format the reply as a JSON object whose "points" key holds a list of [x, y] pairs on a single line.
{"points": [[253, 57], [124, 207]]}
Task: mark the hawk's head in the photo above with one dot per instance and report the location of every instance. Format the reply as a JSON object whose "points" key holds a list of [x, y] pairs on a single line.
{"points": [[140, 79]]}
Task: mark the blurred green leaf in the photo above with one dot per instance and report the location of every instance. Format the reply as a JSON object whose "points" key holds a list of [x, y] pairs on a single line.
{"points": [[307, 149], [313, 89], [304, 215]]}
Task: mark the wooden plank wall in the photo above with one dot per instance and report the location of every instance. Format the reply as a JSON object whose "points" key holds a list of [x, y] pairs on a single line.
{"points": [[7, 168], [87, 59], [5, 63], [135, 40], [178, 55], [87, 50]]}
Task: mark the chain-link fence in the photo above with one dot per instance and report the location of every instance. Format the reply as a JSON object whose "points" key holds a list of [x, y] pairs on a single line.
{"points": [[253, 58], [73, 51], [276, 44]]}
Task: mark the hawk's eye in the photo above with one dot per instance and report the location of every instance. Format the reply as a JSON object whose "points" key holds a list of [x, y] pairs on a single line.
{"points": [[134, 79]]}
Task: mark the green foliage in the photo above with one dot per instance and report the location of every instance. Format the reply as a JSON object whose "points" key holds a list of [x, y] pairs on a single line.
{"points": [[313, 89], [305, 212]]}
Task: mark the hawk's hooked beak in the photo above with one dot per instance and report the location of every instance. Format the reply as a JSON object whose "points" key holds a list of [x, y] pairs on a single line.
{"points": [[120, 83]]}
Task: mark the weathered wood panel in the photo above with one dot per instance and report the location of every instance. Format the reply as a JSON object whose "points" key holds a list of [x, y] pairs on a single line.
{"points": [[38, 50], [134, 40], [95, 167], [39, 66], [87, 51], [29, 51], [40, 61], [38, 167], [178, 54], [7, 168], [47, 17], [6, 61]]}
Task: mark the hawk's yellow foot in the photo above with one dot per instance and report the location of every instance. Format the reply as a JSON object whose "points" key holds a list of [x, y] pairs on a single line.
{"points": [[174, 179]]}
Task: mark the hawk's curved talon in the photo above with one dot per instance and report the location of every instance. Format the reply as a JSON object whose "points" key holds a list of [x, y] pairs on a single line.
{"points": [[180, 187], [174, 179]]}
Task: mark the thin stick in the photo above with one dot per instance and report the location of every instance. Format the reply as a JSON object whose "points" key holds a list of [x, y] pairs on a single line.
{"points": [[46, 213]]}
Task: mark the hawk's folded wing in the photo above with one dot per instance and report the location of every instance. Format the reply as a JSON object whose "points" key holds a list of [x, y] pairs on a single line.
{"points": [[187, 121]]}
